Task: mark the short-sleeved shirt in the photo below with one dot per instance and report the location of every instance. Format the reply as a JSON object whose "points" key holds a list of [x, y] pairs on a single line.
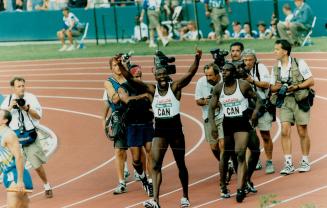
{"points": [[215, 3], [284, 72], [68, 21], [203, 90], [151, 4], [29, 121], [264, 77]]}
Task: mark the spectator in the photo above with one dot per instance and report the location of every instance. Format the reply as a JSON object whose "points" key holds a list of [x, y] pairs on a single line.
{"points": [[293, 76], [77, 3], [192, 32], [153, 9], [72, 28], [236, 29], [247, 33], [215, 9], [25, 120], [166, 34], [287, 12], [140, 30], [300, 23], [264, 33]]}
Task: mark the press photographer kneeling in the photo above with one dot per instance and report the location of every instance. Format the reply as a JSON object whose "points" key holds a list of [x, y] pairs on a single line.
{"points": [[26, 112], [291, 82]]}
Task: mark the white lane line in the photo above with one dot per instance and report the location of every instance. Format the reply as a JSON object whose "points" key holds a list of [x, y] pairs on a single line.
{"points": [[216, 174], [170, 164], [106, 68], [298, 196], [269, 181], [262, 184], [87, 172]]}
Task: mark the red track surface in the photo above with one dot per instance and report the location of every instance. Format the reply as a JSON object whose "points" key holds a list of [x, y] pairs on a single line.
{"points": [[82, 169]]}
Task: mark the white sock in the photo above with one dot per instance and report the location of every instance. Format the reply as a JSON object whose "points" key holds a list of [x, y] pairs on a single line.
{"points": [[305, 158], [47, 186], [288, 159], [122, 181], [125, 167], [142, 175], [150, 180]]}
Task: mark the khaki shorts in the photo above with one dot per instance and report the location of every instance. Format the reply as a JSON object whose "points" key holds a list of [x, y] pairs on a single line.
{"points": [[290, 112], [207, 131], [35, 154], [153, 19], [265, 122]]}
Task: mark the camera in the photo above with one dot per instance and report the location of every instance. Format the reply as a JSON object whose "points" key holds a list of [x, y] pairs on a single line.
{"points": [[20, 102], [22, 129], [163, 61], [126, 58], [281, 95], [219, 57], [241, 72]]}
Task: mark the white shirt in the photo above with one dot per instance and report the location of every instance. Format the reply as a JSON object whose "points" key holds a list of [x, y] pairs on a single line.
{"points": [[192, 35], [204, 89], [69, 20], [284, 72], [235, 104], [144, 31], [264, 77], [34, 105], [166, 106]]}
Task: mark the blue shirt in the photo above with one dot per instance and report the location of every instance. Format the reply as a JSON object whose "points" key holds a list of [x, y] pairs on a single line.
{"points": [[116, 85], [152, 4], [303, 15], [215, 3]]}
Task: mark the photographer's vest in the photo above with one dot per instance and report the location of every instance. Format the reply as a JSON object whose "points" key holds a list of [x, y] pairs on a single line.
{"points": [[294, 78], [7, 159], [166, 106], [233, 105]]}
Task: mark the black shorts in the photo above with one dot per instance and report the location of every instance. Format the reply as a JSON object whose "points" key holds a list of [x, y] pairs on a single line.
{"points": [[233, 125], [139, 134], [168, 128]]}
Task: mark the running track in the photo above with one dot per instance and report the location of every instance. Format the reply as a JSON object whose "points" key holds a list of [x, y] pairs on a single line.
{"points": [[82, 169]]}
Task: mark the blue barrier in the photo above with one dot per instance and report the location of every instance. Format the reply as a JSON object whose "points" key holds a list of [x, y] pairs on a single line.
{"points": [[42, 25]]}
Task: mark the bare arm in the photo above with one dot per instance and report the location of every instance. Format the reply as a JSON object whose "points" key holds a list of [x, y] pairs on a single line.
{"points": [[186, 79], [126, 98], [213, 105], [113, 95], [251, 94], [11, 142], [129, 77], [304, 85]]}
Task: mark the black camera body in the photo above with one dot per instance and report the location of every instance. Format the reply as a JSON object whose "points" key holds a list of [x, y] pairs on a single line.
{"points": [[219, 57], [163, 61], [281, 94], [241, 72], [126, 59], [20, 103]]}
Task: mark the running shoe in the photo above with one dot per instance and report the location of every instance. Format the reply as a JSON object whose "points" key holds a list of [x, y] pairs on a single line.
{"points": [[151, 204], [224, 193], [287, 169], [240, 195], [136, 176], [259, 165], [269, 167], [121, 188], [249, 188], [63, 48], [126, 174], [185, 202], [304, 167]]}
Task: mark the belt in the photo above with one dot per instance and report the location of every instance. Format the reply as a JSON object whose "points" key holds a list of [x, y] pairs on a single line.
{"points": [[152, 8]]}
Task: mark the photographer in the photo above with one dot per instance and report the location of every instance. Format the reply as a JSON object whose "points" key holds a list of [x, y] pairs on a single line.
{"points": [[258, 76], [290, 82], [166, 95], [26, 112], [203, 90], [236, 49]]}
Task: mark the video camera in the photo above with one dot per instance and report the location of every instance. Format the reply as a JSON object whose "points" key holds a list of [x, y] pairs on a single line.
{"points": [[163, 61], [219, 57]]}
